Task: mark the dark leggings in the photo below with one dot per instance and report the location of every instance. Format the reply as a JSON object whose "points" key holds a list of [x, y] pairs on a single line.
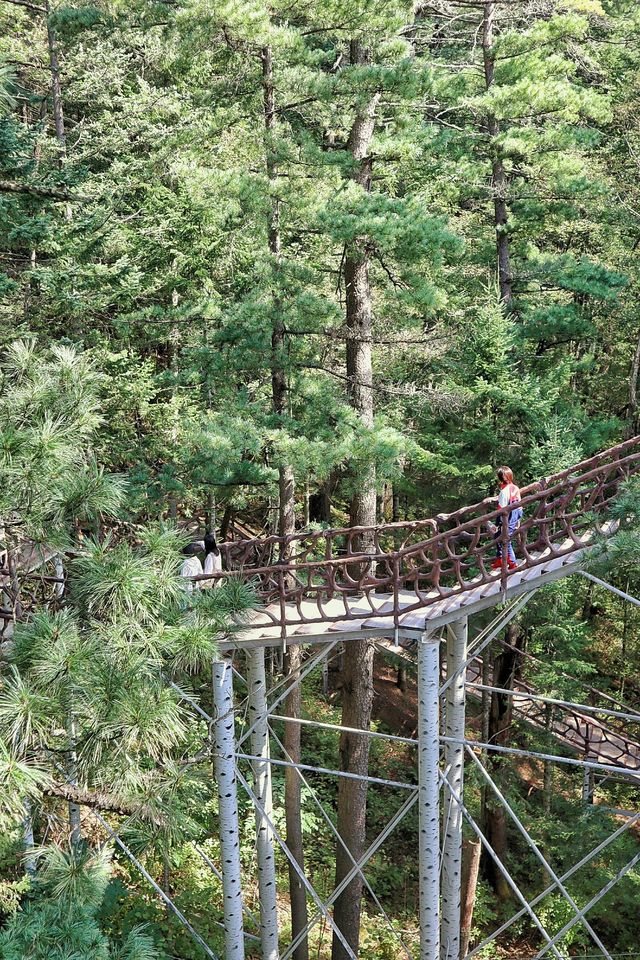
{"points": [[513, 526]]}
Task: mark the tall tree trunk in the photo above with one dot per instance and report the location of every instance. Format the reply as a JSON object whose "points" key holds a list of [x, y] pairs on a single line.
{"points": [[357, 690], [357, 700], [227, 516], [327, 493], [30, 286], [56, 96], [286, 520], [307, 496], [633, 392], [166, 875], [56, 88], [499, 180], [14, 592], [395, 504], [210, 513], [471, 851]]}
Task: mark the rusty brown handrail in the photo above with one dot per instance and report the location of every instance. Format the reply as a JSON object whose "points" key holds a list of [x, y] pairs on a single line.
{"points": [[328, 578], [331, 579]]}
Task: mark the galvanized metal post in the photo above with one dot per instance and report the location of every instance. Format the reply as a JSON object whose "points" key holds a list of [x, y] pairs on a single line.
{"points": [[428, 797], [265, 845], [588, 779], [28, 841], [75, 821], [225, 771], [58, 567], [452, 813]]}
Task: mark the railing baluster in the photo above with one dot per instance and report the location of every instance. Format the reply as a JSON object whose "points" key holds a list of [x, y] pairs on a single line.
{"points": [[396, 591]]}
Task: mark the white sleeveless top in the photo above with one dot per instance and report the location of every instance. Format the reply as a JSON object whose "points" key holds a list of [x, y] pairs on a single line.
{"points": [[191, 567], [212, 564]]}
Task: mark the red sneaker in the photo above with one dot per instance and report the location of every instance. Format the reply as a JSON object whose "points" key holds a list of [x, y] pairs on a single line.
{"points": [[497, 564], [511, 565]]}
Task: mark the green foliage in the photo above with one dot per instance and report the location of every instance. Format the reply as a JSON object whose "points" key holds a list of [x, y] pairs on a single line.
{"points": [[99, 661], [49, 479], [136, 326], [618, 556], [7, 87], [60, 921]]}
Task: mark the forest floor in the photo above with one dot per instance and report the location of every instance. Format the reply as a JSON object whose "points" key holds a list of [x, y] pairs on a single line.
{"points": [[395, 708]]}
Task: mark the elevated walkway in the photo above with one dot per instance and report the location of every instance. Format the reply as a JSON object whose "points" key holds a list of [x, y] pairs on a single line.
{"points": [[374, 614], [407, 578]]}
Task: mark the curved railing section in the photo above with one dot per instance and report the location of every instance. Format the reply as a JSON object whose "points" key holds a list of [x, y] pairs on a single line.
{"points": [[349, 574], [598, 734]]}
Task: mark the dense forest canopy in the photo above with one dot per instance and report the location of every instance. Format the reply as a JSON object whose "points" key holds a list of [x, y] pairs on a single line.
{"points": [[278, 267], [183, 205]]}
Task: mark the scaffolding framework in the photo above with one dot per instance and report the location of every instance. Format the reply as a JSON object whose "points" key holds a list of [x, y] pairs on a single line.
{"points": [[243, 740]]}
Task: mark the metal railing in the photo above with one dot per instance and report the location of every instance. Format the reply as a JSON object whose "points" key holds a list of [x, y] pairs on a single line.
{"points": [[353, 573], [389, 570], [591, 731]]}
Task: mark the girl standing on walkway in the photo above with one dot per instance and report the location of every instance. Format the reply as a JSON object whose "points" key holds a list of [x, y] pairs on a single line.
{"points": [[509, 494]]}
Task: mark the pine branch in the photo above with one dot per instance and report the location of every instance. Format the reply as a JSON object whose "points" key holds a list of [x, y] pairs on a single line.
{"points": [[96, 799], [11, 186]]}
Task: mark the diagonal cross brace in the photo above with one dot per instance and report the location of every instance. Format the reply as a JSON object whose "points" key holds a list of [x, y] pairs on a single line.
{"points": [[538, 854], [356, 869], [487, 635], [580, 915], [296, 866], [552, 886], [283, 696], [501, 867], [333, 829]]}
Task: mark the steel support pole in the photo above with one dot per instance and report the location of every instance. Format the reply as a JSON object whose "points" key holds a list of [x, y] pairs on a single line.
{"points": [[296, 866], [428, 797], [503, 870], [452, 813], [28, 843], [265, 845], [224, 766], [489, 633], [58, 566]]}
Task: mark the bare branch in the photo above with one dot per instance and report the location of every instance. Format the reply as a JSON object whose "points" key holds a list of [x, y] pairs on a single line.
{"points": [[29, 6], [98, 800], [11, 186]]}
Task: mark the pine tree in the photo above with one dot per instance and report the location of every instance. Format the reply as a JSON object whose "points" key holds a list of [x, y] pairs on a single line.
{"points": [[61, 919]]}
